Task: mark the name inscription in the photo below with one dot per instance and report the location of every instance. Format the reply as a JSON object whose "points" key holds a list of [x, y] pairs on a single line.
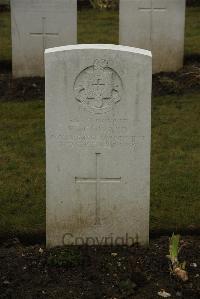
{"points": [[97, 132]]}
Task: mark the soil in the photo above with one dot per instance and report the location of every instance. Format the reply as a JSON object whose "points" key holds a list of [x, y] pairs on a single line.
{"points": [[24, 89], [4, 7], [97, 272], [185, 80]]}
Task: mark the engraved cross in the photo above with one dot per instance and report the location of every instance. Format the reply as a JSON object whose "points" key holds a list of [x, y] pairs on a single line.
{"points": [[97, 180], [44, 33], [98, 83], [151, 10], [97, 91]]}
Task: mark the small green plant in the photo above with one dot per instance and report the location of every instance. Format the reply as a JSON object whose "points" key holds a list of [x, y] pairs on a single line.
{"points": [[176, 267], [63, 258], [104, 4]]}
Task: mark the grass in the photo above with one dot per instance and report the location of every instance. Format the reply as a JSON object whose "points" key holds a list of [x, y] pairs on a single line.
{"points": [[98, 26], [102, 27], [192, 31], [4, 2], [5, 37], [175, 188], [22, 166]]}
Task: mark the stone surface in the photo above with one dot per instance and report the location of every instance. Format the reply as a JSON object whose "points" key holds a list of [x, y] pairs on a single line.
{"points": [[37, 25], [98, 109], [156, 25]]}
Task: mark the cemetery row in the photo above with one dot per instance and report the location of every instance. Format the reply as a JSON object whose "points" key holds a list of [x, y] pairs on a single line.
{"points": [[98, 150], [98, 114], [98, 110], [154, 25]]}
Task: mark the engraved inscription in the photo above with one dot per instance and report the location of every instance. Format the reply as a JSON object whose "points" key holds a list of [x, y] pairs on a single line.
{"points": [[93, 141], [97, 180], [104, 132], [44, 34], [98, 87]]}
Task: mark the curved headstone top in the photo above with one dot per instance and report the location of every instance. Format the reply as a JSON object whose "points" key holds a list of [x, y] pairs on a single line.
{"points": [[99, 47], [98, 132]]}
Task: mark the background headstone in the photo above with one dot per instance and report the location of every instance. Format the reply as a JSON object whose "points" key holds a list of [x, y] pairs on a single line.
{"points": [[156, 25], [98, 110], [37, 25]]}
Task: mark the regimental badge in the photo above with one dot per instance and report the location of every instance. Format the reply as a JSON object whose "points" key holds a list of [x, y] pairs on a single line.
{"points": [[98, 87]]}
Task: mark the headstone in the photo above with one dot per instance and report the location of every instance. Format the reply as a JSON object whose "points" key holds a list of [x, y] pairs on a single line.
{"points": [[37, 25], [156, 25], [98, 110]]}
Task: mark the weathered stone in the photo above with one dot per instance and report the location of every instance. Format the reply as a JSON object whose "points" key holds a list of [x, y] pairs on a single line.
{"points": [[98, 110], [37, 25], [156, 25]]}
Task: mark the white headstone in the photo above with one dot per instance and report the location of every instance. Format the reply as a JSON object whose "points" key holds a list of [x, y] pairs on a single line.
{"points": [[37, 25], [156, 25], [98, 110]]}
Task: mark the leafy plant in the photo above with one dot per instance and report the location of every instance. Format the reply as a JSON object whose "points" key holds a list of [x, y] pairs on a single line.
{"points": [[104, 4], [176, 267], [63, 257]]}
